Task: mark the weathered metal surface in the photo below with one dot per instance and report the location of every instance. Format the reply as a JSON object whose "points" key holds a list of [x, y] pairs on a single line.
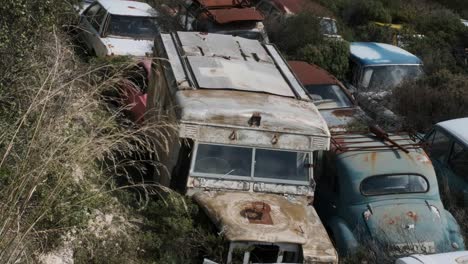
{"points": [[457, 128], [296, 124], [340, 118], [312, 74], [221, 3], [225, 16], [406, 221], [128, 8], [215, 95], [292, 221], [127, 47]]}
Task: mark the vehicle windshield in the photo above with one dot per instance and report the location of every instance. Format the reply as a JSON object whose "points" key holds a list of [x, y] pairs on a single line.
{"points": [[378, 78], [394, 184], [133, 27], [327, 96], [328, 26], [268, 165]]}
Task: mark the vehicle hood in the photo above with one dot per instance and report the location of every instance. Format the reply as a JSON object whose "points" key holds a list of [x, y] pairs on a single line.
{"points": [[128, 47], [278, 219], [340, 120], [409, 224]]}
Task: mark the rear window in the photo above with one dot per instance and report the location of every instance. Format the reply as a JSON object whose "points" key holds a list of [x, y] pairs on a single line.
{"points": [[394, 184]]}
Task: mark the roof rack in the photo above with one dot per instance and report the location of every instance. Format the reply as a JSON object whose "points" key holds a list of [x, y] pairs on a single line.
{"points": [[345, 142]]}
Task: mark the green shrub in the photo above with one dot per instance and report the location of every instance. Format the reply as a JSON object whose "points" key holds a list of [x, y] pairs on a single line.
{"points": [[295, 32], [361, 12], [438, 97], [331, 55]]}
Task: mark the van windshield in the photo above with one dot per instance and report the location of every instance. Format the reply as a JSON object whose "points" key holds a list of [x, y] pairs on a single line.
{"points": [[327, 96], [251, 163], [379, 78]]}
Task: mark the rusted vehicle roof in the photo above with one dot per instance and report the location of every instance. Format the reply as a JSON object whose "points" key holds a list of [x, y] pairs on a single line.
{"points": [[283, 221], [220, 3], [298, 6], [222, 83], [229, 15], [312, 74]]}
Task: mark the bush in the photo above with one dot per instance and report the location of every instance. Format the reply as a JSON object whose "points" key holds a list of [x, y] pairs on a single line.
{"points": [[361, 12], [22, 27], [295, 32], [331, 55], [436, 98]]}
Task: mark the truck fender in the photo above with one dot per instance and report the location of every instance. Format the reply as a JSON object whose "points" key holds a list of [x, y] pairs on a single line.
{"points": [[344, 239], [454, 230]]}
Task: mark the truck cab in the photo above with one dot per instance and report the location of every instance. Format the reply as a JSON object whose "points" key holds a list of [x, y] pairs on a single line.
{"points": [[245, 143], [375, 70]]}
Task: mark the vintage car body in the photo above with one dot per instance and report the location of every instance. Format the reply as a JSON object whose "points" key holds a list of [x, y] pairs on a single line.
{"points": [[447, 145], [109, 28], [460, 257], [222, 17], [285, 8], [247, 132], [335, 103], [375, 69], [373, 191]]}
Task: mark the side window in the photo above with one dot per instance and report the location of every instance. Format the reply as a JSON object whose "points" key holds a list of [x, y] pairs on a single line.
{"points": [[91, 12], [98, 19], [440, 146], [458, 160]]}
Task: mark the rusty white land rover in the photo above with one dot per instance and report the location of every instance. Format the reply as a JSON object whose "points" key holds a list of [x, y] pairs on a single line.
{"points": [[247, 133]]}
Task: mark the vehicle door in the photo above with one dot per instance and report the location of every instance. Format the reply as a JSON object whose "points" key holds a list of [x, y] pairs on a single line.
{"points": [[458, 165], [438, 146], [91, 23]]}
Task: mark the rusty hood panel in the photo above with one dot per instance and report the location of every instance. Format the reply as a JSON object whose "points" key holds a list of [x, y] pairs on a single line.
{"points": [[269, 218], [310, 74], [225, 16]]}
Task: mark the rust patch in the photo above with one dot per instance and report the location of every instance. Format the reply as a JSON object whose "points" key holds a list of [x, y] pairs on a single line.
{"points": [[221, 3], [258, 213], [343, 112], [225, 16], [412, 215]]}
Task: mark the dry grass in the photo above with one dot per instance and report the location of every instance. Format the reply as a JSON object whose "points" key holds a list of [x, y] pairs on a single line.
{"points": [[60, 148]]}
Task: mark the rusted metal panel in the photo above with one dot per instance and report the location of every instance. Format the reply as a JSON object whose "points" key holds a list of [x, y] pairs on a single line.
{"points": [[219, 73], [220, 3], [289, 220], [296, 124], [225, 16], [312, 74]]}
